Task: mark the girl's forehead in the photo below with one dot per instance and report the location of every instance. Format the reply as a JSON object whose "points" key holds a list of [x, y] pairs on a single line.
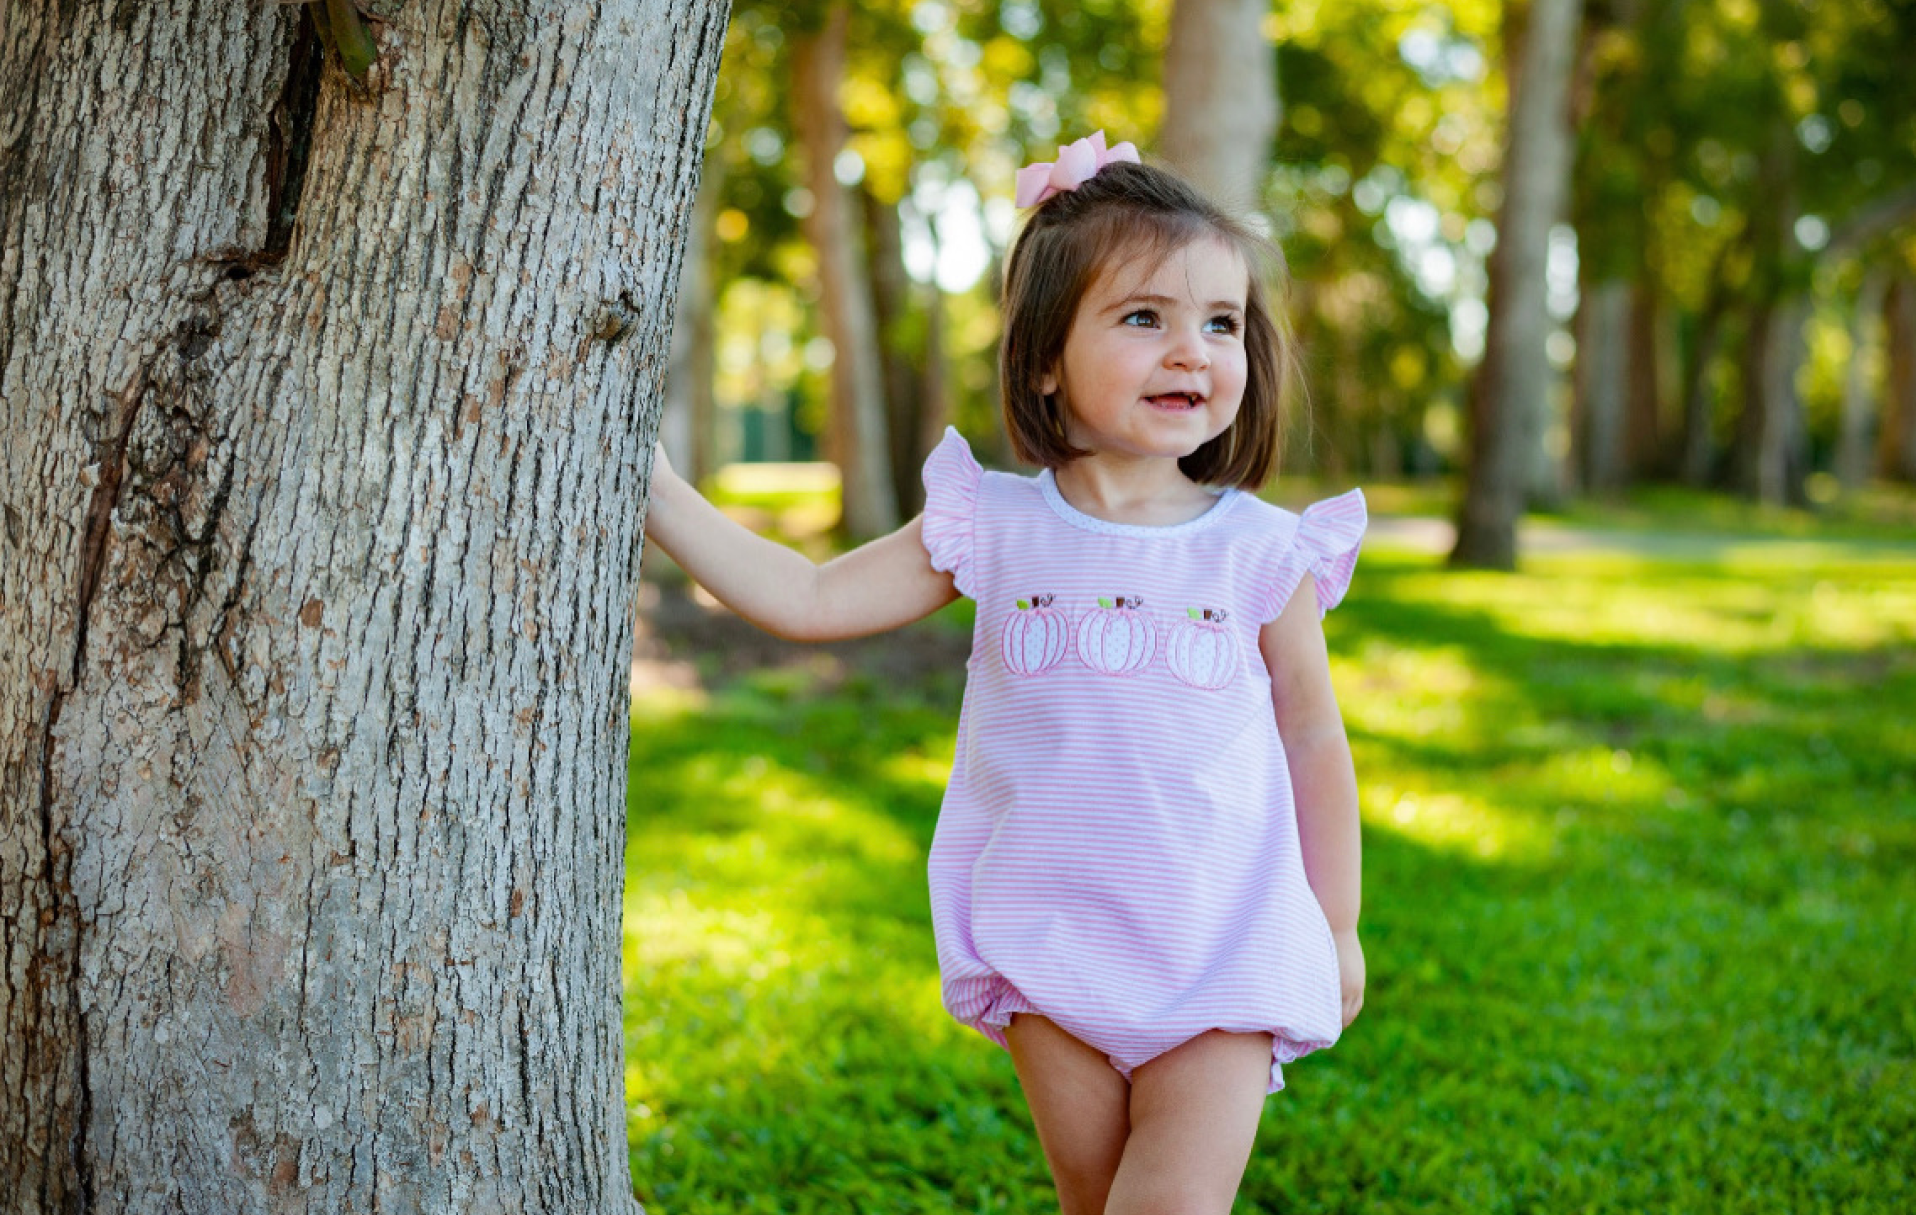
{"points": [[1205, 269]]}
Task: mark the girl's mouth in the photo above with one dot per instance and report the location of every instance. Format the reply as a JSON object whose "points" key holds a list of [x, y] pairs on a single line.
{"points": [[1176, 401]]}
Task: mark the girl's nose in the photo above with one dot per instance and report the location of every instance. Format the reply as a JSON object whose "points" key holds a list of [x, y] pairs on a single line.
{"points": [[1187, 352]]}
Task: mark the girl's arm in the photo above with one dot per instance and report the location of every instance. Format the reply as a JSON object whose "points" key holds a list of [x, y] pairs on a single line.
{"points": [[1323, 779], [886, 583]]}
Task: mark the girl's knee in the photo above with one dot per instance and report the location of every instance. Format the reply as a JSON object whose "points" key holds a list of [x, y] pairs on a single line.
{"points": [[1083, 1175], [1165, 1204], [1182, 1158], [1172, 1197], [1082, 1195]]}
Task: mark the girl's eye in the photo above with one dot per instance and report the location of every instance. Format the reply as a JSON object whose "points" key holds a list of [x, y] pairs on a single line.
{"points": [[1225, 323]]}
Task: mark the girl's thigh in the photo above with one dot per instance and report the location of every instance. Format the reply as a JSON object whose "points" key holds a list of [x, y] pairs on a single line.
{"points": [[1079, 1103], [1194, 1115]]}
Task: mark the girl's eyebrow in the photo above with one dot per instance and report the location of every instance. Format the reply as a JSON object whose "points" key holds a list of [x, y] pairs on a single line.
{"points": [[1162, 300]]}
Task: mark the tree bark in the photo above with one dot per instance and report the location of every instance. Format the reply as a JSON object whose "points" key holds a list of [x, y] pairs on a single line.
{"points": [[1220, 97], [1771, 443], [1852, 445], [1765, 462], [1786, 447], [857, 441], [1896, 438], [920, 423], [1602, 384], [1510, 400], [1699, 443], [1652, 364], [934, 398], [328, 411], [1767, 424], [891, 306]]}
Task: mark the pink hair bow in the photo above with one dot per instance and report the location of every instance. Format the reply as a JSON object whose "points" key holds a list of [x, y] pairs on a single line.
{"points": [[1076, 164]]}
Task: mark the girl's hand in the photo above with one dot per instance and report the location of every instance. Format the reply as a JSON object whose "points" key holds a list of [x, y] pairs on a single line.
{"points": [[661, 467], [1350, 971]]}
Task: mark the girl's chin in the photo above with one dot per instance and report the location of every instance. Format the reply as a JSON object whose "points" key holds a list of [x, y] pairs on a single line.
{"points": [[1154, 446], [1163, 433], [1193, 426]]}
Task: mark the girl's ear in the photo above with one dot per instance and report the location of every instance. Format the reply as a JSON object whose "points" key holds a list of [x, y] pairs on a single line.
{"points": [[1049, 384]]}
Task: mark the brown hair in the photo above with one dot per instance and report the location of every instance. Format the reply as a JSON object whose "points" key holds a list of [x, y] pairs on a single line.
{"points": [[1135, 212]]}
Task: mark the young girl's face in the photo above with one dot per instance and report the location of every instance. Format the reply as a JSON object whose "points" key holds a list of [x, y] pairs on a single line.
{"points": [[1154, 362]]}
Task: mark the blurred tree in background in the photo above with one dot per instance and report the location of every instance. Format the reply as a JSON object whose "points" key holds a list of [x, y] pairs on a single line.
{"points": [[1747, 174], [1729, 292]]}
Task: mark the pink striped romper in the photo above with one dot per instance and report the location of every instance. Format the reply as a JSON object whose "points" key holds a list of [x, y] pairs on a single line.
{"points": [[1118, 848]]}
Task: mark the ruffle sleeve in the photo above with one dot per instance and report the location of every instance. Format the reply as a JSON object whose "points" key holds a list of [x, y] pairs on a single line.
{"points": [[951, 479], [1325, 546]]}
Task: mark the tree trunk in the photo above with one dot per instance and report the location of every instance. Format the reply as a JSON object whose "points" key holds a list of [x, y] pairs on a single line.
{"points": [[1787, 443], [998, 448], [1699, 443], [1510, 399], [1547, 482], [1652, 361], [857, 442], [1220, 97], [1602, 382], [1897, 414], [328, 411], [689, 426], [1896, 438], [1384, 450], [1852, 445], [1768, 422], [1771, 441], [934, 398], [891, 304]]}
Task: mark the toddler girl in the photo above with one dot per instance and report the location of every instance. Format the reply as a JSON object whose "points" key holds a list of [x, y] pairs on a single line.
{"points": [[1124, 890]]}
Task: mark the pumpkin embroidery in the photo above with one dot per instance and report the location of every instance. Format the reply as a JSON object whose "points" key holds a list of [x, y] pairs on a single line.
{"points": [[1202, 651], [1035, 636], [1116, 638]]}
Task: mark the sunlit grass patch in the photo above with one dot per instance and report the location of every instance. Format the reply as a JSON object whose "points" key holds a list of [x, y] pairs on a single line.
{"points": [[1480, 829], [1882, 511]]}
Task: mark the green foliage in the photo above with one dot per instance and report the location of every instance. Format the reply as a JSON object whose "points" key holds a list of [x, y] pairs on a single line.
{"points": [[1701, 115], [1640, 911], [1363, 127]]}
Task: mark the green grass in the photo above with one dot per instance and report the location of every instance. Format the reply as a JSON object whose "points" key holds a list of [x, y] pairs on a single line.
{"points": [[1881, 511], [1640, 891]]}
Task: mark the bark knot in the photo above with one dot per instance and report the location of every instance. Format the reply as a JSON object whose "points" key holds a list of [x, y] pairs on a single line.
{"points": [[617, 319]]}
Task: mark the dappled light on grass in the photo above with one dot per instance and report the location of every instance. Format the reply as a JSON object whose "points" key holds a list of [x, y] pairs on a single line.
{"points": [[1404, 691], [1453, 822], [1731, 605], [1639, 911]]}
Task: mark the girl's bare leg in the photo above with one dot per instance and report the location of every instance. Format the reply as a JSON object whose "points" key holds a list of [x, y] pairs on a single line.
{"points": [[1078, 1102], [1194, 1114]]}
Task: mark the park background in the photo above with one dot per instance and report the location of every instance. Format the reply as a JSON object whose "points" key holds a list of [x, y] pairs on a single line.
{"points": [[1639, 813]]}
